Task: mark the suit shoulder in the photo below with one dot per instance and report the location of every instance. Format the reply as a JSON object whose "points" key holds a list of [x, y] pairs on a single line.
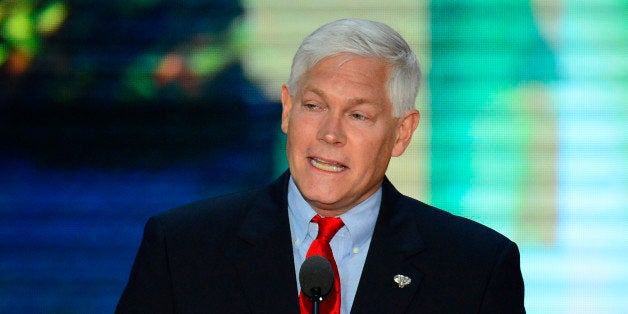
{"points": [[209, 214], [445, 227]]}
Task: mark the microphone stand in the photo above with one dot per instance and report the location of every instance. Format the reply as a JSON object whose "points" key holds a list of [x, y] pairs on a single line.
{"points": [[316, 300]]}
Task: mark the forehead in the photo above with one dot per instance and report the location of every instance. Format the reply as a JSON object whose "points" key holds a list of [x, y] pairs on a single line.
{"points": [[347, 72]]}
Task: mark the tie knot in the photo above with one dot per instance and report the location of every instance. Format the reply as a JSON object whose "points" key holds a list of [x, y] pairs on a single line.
{"points": [[327, 227]]}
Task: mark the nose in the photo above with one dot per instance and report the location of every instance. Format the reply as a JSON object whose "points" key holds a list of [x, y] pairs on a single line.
{"points": [[331, 130]]}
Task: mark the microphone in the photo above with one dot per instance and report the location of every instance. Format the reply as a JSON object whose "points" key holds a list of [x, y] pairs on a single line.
{"points": [[317, 278]]}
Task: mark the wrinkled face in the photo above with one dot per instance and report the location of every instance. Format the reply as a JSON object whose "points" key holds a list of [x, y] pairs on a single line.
{"points": [[341, 132]]}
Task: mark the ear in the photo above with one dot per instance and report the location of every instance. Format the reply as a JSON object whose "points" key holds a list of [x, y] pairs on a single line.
{"points": [[286, 105], [406, 128]]}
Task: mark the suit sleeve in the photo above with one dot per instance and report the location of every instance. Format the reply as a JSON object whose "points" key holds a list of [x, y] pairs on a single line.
{"points": [[149, 289], [505, 289]]}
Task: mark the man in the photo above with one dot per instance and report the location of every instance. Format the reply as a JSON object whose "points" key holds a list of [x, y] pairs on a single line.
{"points": [[348, 107]]}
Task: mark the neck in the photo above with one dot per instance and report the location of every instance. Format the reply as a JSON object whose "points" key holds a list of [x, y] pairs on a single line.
{"points": [[329, 212]]}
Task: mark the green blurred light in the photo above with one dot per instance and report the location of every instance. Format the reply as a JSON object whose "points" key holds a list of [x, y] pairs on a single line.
{"points": [[240, 36], [4, 54], [18, 27], [139, 78], [209, 60], [51, 17]]}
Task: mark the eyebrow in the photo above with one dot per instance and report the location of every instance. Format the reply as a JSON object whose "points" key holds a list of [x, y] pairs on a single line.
{"points": [[352, 101]]}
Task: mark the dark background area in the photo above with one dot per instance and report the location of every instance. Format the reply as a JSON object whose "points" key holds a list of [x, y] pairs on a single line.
{"points": [[110, 118]]}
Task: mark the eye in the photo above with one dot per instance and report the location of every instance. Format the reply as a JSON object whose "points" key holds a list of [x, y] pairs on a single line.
{"points": [[311, 106], [359, 116]]}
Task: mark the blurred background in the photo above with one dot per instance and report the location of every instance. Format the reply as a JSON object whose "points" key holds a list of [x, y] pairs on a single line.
{"points": [[113, 111]]}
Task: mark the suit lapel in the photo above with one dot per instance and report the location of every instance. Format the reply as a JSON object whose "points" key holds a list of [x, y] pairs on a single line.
{"points": [[262, 253], [394, 246], [263, 258]]}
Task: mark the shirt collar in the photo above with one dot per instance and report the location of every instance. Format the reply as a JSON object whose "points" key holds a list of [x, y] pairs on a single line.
{"points": [[359, 221]]}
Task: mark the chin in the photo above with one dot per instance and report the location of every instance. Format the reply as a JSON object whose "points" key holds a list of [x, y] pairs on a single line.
{"points": [[322, 198]]}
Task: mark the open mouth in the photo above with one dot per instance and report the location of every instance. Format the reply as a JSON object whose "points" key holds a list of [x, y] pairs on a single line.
{"points": [[326, 165]]}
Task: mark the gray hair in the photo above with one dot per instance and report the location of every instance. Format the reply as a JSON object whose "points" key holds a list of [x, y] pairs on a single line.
{"points": [[368, 39]]}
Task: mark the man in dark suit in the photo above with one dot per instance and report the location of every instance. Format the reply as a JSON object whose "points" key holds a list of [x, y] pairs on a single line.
{"points": [[348, 107]]}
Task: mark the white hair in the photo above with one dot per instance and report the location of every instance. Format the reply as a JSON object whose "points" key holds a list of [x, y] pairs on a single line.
{"points": [[368, 39]]}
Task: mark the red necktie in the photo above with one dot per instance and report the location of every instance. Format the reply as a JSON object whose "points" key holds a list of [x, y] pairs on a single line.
{"points": [[327, 228]]}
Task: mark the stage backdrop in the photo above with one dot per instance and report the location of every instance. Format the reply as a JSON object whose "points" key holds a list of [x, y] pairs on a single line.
{"points": [[112, 111]]}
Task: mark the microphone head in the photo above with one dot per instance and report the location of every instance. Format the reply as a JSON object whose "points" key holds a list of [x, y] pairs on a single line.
{"points": [[316, 277]]}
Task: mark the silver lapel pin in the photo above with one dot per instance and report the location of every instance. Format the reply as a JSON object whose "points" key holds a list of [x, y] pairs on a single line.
{"points": [[402, 280]]}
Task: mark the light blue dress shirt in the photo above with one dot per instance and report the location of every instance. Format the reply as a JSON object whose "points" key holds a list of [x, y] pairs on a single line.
{"points": [[350, 245]]}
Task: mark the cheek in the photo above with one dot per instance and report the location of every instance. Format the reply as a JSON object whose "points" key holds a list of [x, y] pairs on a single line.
{"points": [[375, 139], [298, 133], [302, 127], [377, 150]]}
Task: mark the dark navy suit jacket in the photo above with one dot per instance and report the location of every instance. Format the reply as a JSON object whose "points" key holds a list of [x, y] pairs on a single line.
{"points": [[233, 254]]}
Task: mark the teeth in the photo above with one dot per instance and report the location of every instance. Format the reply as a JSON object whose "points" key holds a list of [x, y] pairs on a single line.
{"points": [[326, 166]]}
